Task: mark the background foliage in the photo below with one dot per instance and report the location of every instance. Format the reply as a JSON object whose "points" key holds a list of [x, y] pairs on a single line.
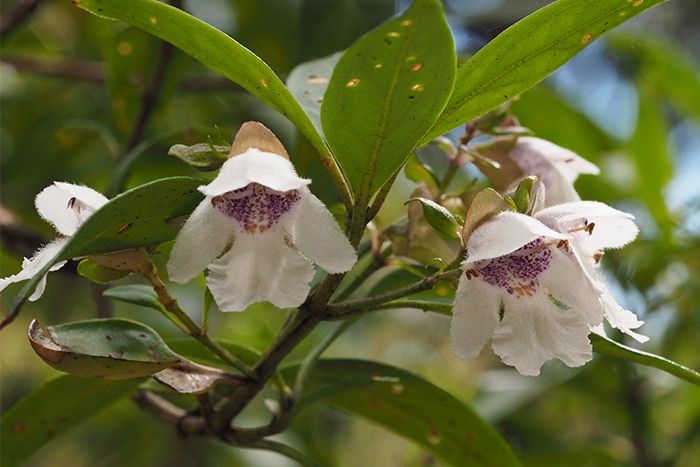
{"points": [[86, 100]]}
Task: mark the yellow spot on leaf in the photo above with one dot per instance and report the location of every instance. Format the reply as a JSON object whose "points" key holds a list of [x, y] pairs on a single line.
{"points": [[417, 87], [153, 20], [394, 34], [263, 81], [125, 48], [586, 38], [352, 83], [416, 66], [407, 22]]}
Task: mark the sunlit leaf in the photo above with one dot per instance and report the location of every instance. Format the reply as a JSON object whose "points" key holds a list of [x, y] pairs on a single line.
{"points": [[527, 52], [409, 406], [439, 217], [386, 91], [606, 346], [53, 409], [103, 348]]}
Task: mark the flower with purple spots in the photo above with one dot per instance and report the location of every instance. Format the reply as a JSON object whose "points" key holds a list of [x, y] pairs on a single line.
{"points": [[66, 206], [258, 230], [530, 283]]}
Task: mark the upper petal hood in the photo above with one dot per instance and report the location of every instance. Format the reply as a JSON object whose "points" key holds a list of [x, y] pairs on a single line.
{"points": [[504, 233], [255, 166]]}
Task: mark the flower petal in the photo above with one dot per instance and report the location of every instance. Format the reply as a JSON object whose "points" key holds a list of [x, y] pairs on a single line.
{"points": [[613, 228], [505, 233], [569, 284], [474, 316], [534, 330], [52, 204], [317, 235], [259, 268], [204, 236], [30, 267], [255, 166]]}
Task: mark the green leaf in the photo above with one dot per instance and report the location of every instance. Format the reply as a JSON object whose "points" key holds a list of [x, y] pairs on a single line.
{"points": [[386, 92], [409, 406], [606, 346], [439, 217], [99, 273], [211, 47], [203, 156], [308, 83], [136, 294], [529, 51], [140, 217], [102, 348], [53, 409], [650, 153], [327, 26]]}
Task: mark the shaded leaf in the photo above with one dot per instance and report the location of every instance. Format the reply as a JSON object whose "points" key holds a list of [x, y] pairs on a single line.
{"points": [[527, 52], [308, 83], [385, 93], [102, 348], [211, 47], [328, 26], [136, 294], [99, 273], [409, 406], [192, 378], [53, 409], [203, 156]]}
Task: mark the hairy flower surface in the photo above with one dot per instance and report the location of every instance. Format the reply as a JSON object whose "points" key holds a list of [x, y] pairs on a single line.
{"points": [[260, 214], [531, 284], [65, 206]]}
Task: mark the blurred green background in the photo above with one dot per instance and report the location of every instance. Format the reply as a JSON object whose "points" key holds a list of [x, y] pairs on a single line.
{"points": [[83, 99]]}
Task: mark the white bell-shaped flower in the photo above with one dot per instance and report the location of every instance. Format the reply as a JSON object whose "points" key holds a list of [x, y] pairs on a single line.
{"points": [[259, 229], [65, 206]]}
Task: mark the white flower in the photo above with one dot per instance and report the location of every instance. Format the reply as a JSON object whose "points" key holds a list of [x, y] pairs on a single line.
{"points": [[65, 206], [531, 284], [555, 167], [260, 214]]}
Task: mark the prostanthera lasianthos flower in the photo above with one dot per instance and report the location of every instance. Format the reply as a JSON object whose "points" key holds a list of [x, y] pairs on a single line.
{"points": [[530, 283], [259, 229], [65, 206]]}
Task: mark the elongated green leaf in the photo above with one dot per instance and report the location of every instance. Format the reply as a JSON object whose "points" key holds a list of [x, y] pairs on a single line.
{"points": [[385, 93], [144, 216], [606, 346], [52, 410], [308, 83], [651, 156], [411, 407], [136, 294], [527, 52], [213, 48], [102, 348], [140, 217]]}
